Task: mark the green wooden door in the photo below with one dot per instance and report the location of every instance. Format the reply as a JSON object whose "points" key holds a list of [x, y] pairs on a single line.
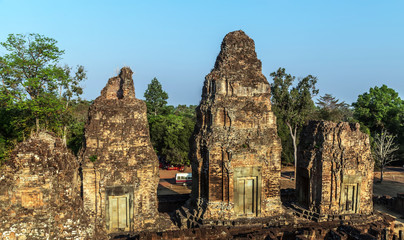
{"points": [[119, 213], [350, 198], [246, 204]]}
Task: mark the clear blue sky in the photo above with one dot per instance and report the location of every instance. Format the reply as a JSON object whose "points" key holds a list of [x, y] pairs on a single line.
{"points": [[349, 45]]}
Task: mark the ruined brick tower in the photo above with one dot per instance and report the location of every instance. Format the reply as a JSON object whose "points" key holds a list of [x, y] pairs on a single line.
{"points": [[120, 167], [40, 192], [335, 170], [236, 152]]}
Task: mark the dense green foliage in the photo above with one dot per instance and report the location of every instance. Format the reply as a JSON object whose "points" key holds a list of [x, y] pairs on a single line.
{"points": [[35, 91], [156, 98], [293, 106], [287, 156], [75, 133], [170, 128], [381, 109]]}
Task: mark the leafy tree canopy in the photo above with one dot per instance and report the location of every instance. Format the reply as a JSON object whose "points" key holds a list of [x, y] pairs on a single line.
{"points": [[30, 69], [35, 91], [156, 98], [292, 105], [170, 128], [31, 78], [380, 108], [170, 137]]}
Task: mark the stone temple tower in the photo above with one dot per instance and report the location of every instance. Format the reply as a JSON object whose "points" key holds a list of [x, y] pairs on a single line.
{"points": [[119, 165], [236, 152]]}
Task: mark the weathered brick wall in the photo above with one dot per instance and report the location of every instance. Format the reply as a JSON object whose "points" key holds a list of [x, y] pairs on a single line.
{"points": [[118, 156], [399, 203], [335, 159], [40, 192], [235, 130]]}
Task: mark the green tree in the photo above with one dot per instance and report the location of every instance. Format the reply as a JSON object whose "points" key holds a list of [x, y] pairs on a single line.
{"points": [[170, 128], [380, 108], [33, 80], [35, 91], [293, 105], [331, 109], [287, 155], [170, 134], [79, 115], [155, 98]]}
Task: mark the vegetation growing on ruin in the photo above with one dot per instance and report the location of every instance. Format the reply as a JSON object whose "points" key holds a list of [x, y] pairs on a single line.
{"points": [[36, 91]]}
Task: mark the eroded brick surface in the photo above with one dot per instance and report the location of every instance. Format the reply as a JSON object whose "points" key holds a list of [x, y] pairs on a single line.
{"points": [[335, 169], [40, 192], [235, 143], [120, 167]]}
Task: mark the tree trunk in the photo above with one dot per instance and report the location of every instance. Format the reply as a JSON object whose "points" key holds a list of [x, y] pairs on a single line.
{"points": [[37, 125], [381, 173], [293, 135], [64, 136]]}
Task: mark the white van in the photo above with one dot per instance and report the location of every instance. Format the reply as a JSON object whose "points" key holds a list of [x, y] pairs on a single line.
{"points": [[183, 178]]}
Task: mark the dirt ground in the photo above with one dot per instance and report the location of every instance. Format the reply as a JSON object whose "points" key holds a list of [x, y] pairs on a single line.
{"points": [[393, 182], [287, 178]]}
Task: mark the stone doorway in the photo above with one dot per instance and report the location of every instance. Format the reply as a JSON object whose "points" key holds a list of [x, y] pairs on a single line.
{"points": [[350, 192], [247, 196], [247, 191], [119, 211], [350, 198]]}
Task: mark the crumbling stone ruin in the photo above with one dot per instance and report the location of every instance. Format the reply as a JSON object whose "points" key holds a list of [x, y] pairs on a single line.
{"points": [[335, 170], [40, 192], [120, 167], [236, 154], [46, 194]]}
